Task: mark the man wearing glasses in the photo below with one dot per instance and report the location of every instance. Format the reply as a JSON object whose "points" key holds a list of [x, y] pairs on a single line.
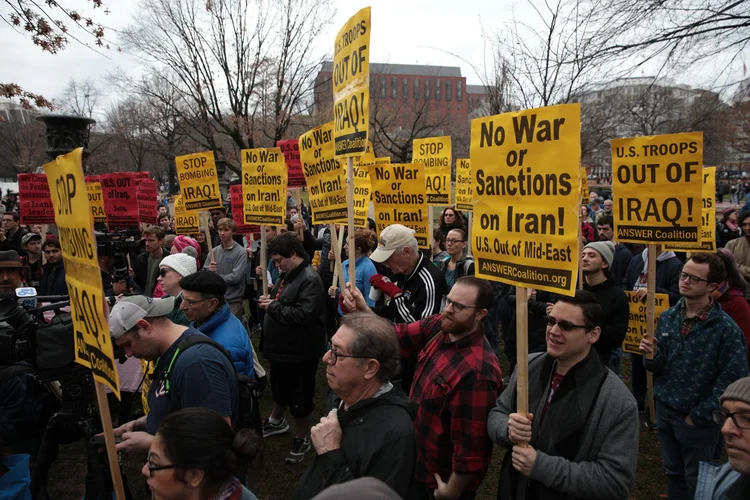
{"points": [[699, 351], [731, 480], [580, 439], [201, 376], [456, 382], [368, 428]]}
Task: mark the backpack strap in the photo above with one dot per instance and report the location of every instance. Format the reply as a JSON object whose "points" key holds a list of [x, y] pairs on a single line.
{"points": [[185, 344]]}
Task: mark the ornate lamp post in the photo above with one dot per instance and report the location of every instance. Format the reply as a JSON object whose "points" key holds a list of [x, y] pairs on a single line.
{"points": [[65, 133]]}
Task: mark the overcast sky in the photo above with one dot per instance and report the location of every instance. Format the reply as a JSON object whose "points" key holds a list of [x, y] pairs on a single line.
{"points": [[404, 31]]}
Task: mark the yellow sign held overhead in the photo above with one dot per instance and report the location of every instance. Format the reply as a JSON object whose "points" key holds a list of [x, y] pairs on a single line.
{"points": [[708, 216], [656, 185], [185, 221], [325, 175], [464, 191], [435, 154], [264, 182], [525, 179], [93, 346], [399, 196], [199, 183], [351, 85], [584, 186]]}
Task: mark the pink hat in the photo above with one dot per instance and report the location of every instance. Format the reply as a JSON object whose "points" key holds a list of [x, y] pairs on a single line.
{"points": [[184, 241]]}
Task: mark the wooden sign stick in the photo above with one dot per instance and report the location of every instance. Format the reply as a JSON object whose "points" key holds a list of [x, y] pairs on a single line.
{"points": [[350, 213], [336, 244], [263, 259], [203, 217], [651, 324], [255, 281], [522, 351], [109, 440]]}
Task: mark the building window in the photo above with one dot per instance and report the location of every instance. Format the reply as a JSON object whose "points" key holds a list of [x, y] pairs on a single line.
{"points": [[405, 88], [426, 89], [394, 88], [459, 90], [437, 90], [416, 89], [448, 91], [382, 87]]}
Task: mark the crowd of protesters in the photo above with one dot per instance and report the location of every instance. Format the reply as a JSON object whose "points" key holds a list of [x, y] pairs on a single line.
{"points": [[411, 348]]}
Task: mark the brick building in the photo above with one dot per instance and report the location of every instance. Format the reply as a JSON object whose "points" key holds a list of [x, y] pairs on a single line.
{"points": [[409, 97]]}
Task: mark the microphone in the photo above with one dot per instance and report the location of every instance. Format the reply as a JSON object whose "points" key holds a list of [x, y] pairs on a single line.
{"points": [[27, 297]]}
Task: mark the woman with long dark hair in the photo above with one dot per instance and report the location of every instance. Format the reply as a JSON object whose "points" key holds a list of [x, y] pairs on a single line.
{"points": [[731, 294], [728, 229], [196, 455], [451, 219]]}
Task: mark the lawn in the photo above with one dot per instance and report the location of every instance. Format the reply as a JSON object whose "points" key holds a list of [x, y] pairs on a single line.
{"points": [[273, 479]]}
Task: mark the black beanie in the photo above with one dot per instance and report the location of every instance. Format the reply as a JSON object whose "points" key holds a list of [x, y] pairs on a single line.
{"points": [[205, 282]]}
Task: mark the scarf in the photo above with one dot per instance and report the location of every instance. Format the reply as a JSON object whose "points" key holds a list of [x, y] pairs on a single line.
{"points": [[661, 258]]}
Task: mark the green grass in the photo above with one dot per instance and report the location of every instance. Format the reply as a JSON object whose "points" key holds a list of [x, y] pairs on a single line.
{"points": [[273, 479]]}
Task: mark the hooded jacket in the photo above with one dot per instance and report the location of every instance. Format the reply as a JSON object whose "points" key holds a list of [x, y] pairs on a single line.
{"points": [[616, 308], [224, 327], [377, 440], [293, 326]]}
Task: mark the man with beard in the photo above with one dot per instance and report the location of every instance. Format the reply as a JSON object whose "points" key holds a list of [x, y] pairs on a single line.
{"points": [[580, 439], [53, 272], [456, 382], [731, 480], [32, 261]]}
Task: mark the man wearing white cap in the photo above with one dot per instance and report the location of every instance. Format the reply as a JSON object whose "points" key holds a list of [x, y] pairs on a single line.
{"points": [[201, 376], [419, 286]]}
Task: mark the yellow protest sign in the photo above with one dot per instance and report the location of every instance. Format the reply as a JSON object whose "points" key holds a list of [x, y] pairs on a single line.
{"points": [[185, 221], [199, 183], [96, 201], [264, 180], [325, 175], [399, 196], [464, 191], [525, 180], [656, 185], [435, 154], [637, 323], [362, 185], [351, 85], [584, 186], [76, 234], [708, 216]]}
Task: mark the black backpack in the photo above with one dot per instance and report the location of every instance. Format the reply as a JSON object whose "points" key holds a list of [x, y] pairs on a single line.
{"points": [[249, 417]]}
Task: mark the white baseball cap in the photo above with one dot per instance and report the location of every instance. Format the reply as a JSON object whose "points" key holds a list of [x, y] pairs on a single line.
{"points": [[393, 238], [126, 313]]}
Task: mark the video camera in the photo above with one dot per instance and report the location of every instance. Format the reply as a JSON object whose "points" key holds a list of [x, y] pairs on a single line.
{"points": [[117, 245]]}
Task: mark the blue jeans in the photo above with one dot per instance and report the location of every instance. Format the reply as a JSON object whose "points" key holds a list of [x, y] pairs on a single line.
{"points": [[614, 360], [683, 447]]}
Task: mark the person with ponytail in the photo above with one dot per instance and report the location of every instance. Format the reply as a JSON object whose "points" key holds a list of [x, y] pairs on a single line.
{"points": [[196, 455]]}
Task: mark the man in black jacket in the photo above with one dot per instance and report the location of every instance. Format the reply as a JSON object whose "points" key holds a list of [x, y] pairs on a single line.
{"points": [[146, 266], [53, 272], [596, 260], [11, 233], [294, 340], [368, 430]]}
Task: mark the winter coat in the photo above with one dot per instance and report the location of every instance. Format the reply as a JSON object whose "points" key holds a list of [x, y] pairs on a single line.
{"points": [[53, 280], [616, 308], [715, 481], [377, 440], [294, 329], [667, 276], [224, 327], [734, 304]]}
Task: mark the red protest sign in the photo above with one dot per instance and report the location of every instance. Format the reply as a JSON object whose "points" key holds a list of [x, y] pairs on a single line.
{"points": [[146, 194], [140, 176], [120, 201], [34, 199], [290, 149], [96, 200], [235, 193]]}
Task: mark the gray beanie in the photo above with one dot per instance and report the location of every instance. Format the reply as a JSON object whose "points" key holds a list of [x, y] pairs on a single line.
{"points": [[605, 248], [364, 488], [738, 391]]}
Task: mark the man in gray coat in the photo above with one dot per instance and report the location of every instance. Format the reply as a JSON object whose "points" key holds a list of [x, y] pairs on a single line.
{"points": [[230, 263], [581, 438]]}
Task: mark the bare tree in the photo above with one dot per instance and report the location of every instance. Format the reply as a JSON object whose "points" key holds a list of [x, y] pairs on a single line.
{"points": [[80, 97], [21, 147], [228, 54]]}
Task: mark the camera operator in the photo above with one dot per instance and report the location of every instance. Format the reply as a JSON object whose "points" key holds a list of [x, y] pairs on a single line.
{"points": [[32, 261], [115, 278], [10, 271], [199, 376]]}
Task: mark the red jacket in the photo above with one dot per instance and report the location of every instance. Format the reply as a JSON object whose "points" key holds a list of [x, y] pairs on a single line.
{"points": [[734, 304]]}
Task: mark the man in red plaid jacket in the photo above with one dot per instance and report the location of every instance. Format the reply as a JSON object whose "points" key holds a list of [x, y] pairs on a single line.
{"points": [[456, 383]]}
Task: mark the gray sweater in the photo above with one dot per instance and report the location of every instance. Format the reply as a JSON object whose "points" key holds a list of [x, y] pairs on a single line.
{"points": [[231, 264], [604, 467]]}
